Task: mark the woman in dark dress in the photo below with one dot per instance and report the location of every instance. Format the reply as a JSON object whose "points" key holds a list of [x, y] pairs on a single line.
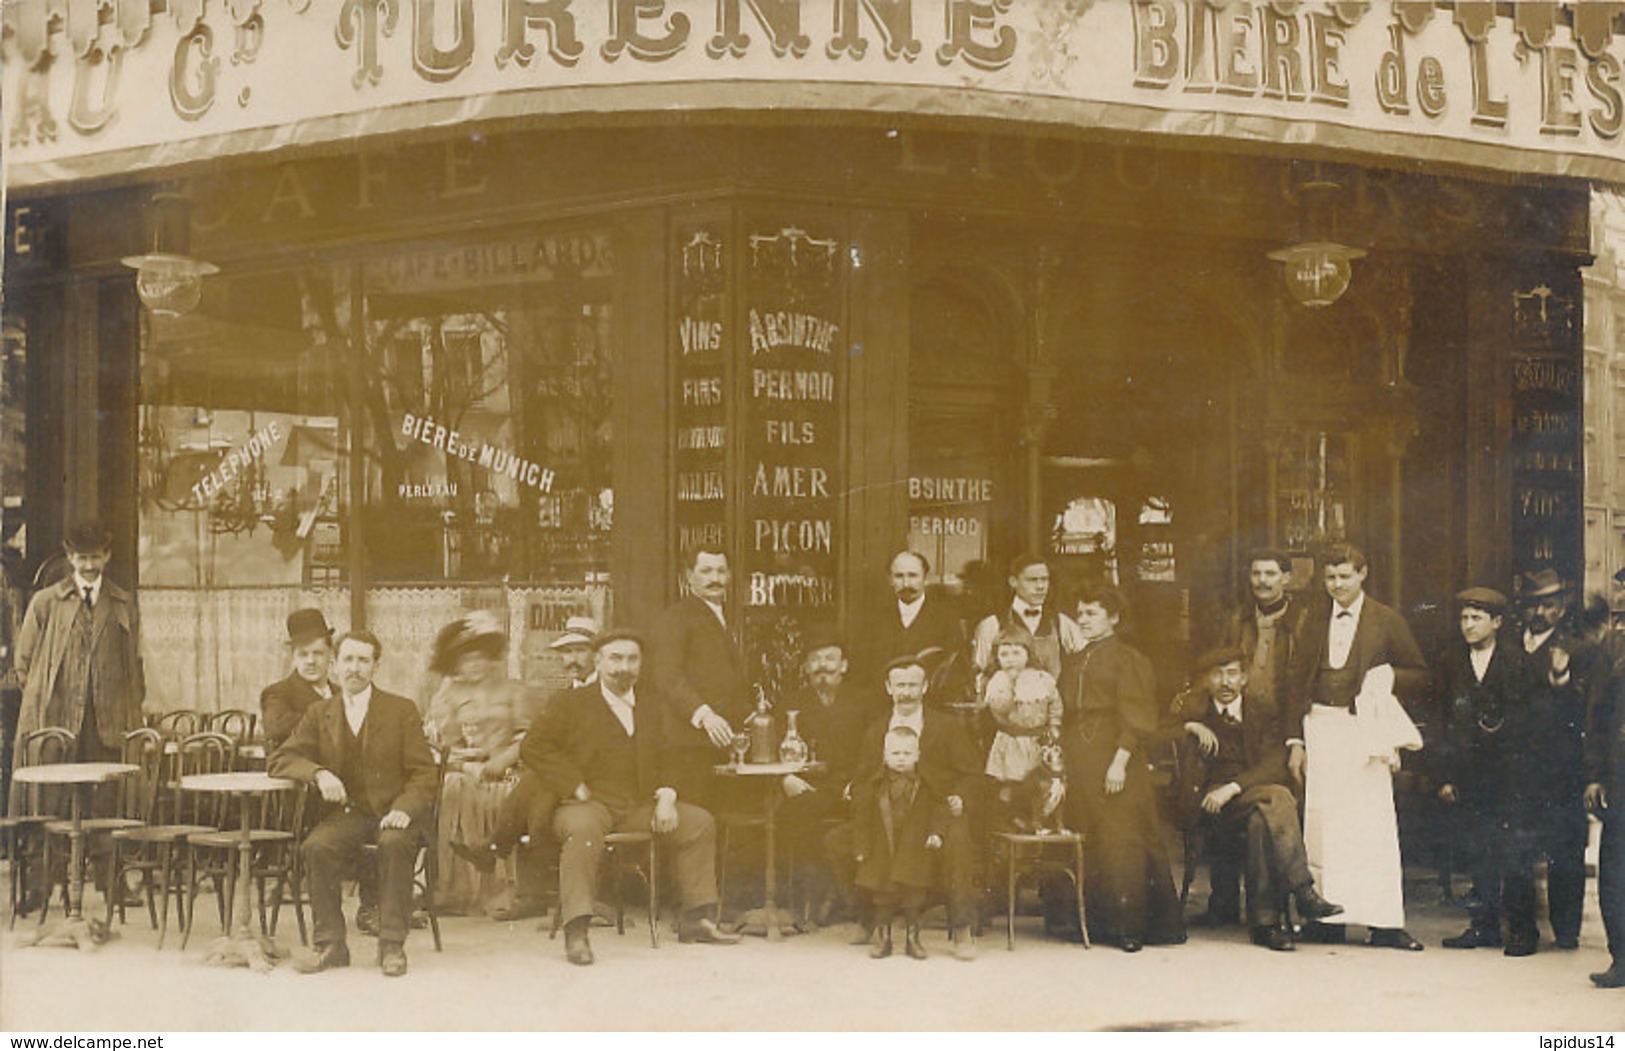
{"points": [[1108, 691]]}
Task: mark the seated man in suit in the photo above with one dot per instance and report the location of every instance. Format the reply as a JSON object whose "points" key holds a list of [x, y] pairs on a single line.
{"points": [[598, 748], [283, 703], [833, 716], [366, 752], [1240, 777]]}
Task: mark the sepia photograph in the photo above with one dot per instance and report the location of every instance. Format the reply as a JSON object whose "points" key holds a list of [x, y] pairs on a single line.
{"points": [[788, 516]]}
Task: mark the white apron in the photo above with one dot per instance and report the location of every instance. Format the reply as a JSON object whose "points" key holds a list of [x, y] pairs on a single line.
{"points": [[1350, 831]]}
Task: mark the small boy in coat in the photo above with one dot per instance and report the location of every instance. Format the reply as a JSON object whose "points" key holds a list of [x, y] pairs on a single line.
{"points": [[898, 830]]}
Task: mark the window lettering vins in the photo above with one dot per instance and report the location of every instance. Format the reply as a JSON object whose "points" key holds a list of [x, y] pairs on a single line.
{"points": [[698, 335]]}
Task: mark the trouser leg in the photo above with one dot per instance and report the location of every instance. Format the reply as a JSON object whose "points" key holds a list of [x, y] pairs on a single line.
{"points": [[959, 872], [1611, 874], [397, 858], [580, 829], [330, 850], [1565, 871], [693, 847]]}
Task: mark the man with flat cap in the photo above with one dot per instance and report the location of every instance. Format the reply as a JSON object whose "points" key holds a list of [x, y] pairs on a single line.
{"points": [[1239, 775], [1548, 810], [599, 749], [1471, 750], [283, 703], [574, 647]]}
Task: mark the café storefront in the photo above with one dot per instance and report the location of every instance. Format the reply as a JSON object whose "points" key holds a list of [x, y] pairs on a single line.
{"points": [[515, 302]]}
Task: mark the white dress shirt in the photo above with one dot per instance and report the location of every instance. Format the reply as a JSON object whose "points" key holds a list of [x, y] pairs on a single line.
{"points": [[1533, 642], [623, 708], [1481, 659], [355, 709], [94, 587], [915, 722], [716, 607], [1233, 709], [1340, 632], [908, 612]]}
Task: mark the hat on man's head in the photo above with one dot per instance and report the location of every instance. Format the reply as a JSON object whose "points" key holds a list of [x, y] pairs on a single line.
{"points": [[1542, 583], [478, 630], [618, 635], [578, 631], [1487, 599], [821, 637], [87, 537], [307, 625], [1218, 657]]}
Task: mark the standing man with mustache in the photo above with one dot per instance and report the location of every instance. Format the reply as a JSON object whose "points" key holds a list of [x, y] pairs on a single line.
{"points": [[696, 666], [79, 653]]}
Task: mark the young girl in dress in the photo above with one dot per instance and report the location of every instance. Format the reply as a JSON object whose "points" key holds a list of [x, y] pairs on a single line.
{"points": [[1026, 708]]}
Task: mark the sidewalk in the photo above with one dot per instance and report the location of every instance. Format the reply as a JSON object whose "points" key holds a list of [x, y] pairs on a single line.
{"points": [[496, 977]]}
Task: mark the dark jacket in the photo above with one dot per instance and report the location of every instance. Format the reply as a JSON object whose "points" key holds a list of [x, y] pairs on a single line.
{"points": [[1240, 628], [1381, 637], [950, 762], [566, 746], [1605, 731], [1550, 728], [115, 662], [282, 705], [396, 765], [1470, 737], [1109, 687], [1263, 749], [891, 847], [835, 732], [693, 661], [884, 638]]}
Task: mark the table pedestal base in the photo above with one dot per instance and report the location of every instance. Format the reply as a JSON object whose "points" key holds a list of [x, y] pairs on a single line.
{"points": [[245, 949], [74, 932], [770, 922]]}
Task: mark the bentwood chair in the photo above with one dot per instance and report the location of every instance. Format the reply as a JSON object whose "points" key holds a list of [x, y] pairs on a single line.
{"points": [[276, 835], [156, 851], [32, 809], [181, 724], [135, 795], [235, 723], [619, 852]]}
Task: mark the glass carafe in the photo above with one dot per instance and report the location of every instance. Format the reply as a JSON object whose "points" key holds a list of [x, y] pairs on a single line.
{"points": [[793, 749]]}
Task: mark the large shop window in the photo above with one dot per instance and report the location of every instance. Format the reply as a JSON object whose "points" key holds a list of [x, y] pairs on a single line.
{"points": [[430, 424]]}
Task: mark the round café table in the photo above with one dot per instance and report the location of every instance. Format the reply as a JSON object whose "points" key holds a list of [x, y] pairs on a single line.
{"points": [[73, 930], [769, 920], [242, 946]]}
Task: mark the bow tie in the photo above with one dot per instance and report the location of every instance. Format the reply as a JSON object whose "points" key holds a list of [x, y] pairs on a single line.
{"points": [[1344, 613], [1029, 612]]}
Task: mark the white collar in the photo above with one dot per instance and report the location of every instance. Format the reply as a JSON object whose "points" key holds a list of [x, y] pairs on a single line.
{"points": [[1533, 642], [95, 586], [359, 700], [911, 608], [1354, 607], [716, 607], [629, 700], [1021, 609], [1233, 709]]}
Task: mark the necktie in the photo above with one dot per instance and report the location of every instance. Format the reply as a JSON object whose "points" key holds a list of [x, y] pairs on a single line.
{"points": [[89, 601]]}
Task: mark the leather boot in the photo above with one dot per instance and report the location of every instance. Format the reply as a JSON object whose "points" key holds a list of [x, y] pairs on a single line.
{"points": [[882, 939], [911, 942]]}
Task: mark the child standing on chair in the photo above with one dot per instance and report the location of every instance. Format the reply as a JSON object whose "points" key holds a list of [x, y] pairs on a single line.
{"points": [[898, 832], [1026, 708]]}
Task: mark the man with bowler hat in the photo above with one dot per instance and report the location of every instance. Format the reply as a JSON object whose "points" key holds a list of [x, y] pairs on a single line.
{"points": [[283, 703], [1549, 818]]}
